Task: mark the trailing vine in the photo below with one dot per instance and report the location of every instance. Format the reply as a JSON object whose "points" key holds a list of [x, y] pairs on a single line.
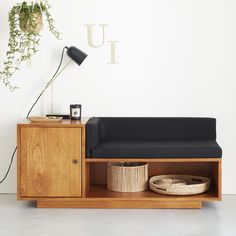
{"points": [[25, 23]]}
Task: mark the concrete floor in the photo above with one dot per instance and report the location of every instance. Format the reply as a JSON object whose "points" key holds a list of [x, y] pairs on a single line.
{"points": [[22, 218]]}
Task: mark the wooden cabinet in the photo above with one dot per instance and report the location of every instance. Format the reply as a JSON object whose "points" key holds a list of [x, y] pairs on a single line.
{"points": [[50, 160]]}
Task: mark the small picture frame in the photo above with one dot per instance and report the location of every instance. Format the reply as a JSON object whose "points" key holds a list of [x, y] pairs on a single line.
{"points": [[75, 111]]}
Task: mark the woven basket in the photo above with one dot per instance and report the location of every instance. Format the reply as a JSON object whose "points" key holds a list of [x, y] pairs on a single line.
{"points": [[179, 184], [127, 176]]}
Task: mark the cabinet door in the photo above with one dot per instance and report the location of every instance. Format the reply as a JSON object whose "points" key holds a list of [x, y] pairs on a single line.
{"points": [[50, 162]]}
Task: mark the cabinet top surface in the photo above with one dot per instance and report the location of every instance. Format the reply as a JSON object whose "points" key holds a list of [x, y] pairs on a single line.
{"points": [[62, 123]]}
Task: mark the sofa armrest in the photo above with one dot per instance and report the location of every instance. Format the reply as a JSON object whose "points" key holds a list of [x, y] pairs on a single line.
{"points": [[92, 134]]}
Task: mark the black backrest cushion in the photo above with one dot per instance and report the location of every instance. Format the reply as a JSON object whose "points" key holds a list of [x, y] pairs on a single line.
{"points": [[161, 128]]}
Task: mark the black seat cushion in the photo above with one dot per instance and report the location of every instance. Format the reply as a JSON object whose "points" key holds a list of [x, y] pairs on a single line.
{"points": [[157, 149]]}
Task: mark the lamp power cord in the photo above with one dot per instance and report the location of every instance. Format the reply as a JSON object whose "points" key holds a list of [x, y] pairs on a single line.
{"points": [[31, 108], [9, 167]]}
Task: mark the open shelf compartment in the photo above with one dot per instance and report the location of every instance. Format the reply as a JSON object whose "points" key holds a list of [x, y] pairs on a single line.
{"points": [[96, 178]]}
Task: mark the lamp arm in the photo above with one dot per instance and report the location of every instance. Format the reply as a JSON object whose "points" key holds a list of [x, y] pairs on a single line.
{"points": [[50, 81], [47, 86]]}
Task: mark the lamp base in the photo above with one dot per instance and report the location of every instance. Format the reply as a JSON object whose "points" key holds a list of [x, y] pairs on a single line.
{"points": [[65, 116]]}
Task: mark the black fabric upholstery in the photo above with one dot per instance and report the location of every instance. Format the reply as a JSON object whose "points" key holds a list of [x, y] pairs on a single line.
{"points": [[151, 137], [92, 134], [151, 128], [157, 149]]}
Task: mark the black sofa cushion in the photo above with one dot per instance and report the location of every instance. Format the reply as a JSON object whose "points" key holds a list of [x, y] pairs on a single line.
{"points": [[151, 137], [161, 128], [157, 149]]}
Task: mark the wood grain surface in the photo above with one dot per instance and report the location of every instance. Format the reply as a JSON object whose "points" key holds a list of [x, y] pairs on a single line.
{"points": [[50, 162]]}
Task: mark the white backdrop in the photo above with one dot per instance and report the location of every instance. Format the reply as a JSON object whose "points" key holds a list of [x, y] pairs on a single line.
{"points": [[176, 58]]}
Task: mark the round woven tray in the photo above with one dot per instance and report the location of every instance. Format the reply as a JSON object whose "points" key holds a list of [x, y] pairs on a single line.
{"points": [[179, 184]]}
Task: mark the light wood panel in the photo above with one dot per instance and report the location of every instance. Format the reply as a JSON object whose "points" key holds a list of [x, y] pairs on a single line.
{"points": [[120, 204], [63, 123], [86, 179], [18, 162], [47, 168], [85, 170], [100, 191]]}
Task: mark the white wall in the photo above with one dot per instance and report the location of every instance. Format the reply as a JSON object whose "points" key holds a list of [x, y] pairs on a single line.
{"points": [[176, 58]]}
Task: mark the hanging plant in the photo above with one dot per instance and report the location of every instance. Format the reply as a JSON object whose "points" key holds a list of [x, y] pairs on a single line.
{"points": [[25, 22]]}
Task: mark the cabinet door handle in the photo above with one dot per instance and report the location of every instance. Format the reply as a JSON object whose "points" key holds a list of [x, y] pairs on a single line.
{"points": [[74, 161]]}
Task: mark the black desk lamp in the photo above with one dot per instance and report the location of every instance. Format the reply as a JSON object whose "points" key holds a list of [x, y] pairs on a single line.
{"points": [[76, 55]]}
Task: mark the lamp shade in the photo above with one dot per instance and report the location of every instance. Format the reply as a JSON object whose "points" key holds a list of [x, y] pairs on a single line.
{"points": [[76, 55]]}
